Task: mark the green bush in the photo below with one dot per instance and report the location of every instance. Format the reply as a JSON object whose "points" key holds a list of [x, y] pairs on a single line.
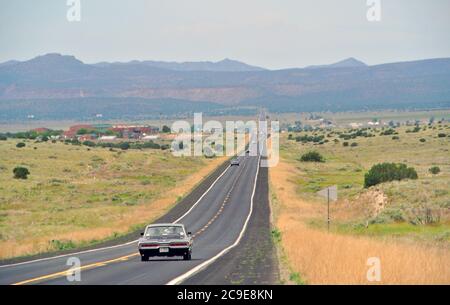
{"points": [[3, 138], [62, 244], [21, 172], [385, 172], [124, 145], [312, 156], [20, 145], [89, 143], [434, 170], [307, 139], [388, 132]]}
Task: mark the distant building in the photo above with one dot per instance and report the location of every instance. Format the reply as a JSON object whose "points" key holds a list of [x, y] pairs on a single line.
{"points": [[149, 138], [40, 130], [86, 137], [107, 138], [73, 130], [355, 125], [134, 131]]}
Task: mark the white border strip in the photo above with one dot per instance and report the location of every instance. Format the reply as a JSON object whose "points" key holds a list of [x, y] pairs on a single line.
{"points": [[205, 264], [121, 245], [201, 197]]}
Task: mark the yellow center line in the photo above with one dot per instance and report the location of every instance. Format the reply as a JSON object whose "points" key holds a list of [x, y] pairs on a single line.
{"points": [[72, 270], [223, 204], [124, 258]]}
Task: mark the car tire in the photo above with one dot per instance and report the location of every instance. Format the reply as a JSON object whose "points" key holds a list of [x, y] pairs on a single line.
{"points": [[144, 258], [187, 257]]}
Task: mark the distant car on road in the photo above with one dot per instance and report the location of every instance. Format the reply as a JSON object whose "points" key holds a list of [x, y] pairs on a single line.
{"points": [[165, 240], [235, 161]]}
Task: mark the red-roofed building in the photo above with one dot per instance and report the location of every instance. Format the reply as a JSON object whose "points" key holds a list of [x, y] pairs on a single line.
{"points": [[73, 130], [41, 130]]}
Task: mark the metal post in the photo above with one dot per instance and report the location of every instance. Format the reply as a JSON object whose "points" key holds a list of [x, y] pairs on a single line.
{"points": [[328, 204]]}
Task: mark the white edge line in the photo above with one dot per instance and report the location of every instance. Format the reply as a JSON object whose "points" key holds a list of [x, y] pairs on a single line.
{"points": [[203, 195], [205, 264], [116, 246]]}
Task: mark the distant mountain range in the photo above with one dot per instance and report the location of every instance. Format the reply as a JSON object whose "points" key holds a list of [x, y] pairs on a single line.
{"points": [[347, 85], [346, 63], [226, 65]]}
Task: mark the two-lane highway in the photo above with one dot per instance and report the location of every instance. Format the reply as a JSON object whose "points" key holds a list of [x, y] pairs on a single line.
{"points": [[217, 221]]}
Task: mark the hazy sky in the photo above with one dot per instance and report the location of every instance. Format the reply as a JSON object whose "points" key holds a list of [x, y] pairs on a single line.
{"points": [[269, 33]]}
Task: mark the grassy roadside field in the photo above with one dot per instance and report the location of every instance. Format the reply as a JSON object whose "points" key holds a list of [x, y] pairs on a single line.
{"points": [[385, 221], [76, 195]]}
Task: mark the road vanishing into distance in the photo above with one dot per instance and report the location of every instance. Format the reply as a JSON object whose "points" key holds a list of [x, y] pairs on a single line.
{"points": [[227, 221]]}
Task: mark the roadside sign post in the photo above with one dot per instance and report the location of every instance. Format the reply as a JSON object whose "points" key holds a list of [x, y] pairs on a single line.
{"points": [[328, 204], [331, 194]]}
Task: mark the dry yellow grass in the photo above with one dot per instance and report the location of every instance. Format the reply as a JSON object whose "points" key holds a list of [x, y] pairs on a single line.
{"points": [[121, 221], [330, 258]]}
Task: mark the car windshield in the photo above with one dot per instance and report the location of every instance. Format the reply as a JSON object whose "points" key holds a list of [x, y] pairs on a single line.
{"points": [[165, 232]]}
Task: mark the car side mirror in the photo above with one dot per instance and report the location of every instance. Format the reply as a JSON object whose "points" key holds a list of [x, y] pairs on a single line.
{"points": [[142, 233]]}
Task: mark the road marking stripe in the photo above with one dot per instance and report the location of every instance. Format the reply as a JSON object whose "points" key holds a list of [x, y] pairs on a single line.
{"points": [[71, 270], [115, 246], [223, 203], [205, 264], [201, 197]]}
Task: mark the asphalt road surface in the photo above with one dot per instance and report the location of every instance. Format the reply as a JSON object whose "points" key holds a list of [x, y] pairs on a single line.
{"points": [[221, 221]]}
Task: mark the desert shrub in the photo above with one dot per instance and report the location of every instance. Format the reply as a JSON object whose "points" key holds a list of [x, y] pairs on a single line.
{"points": [[395, 138], [354, 144], [89, 143], [388, 132], [312, 156], [442, 135], [21, 172], [422, 140], [354, 135], [62, 244], [345, 144], [20, 145], [385, 172], [124, 145], [3, 138], [388, 216], [276, 235], [434, 170], [307, 139]]}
